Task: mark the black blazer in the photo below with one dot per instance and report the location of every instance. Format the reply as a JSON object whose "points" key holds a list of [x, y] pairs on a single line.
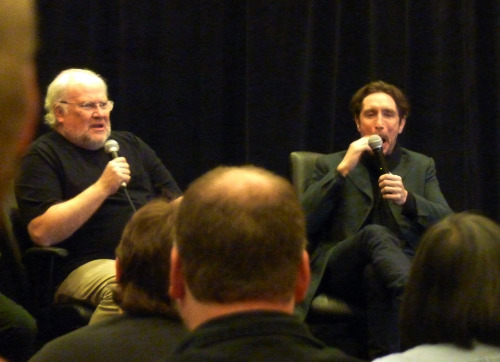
{"points": [[337, 207]]}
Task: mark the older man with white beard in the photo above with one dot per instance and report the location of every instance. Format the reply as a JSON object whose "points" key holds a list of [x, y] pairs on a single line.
{"points": [[72, 194]]}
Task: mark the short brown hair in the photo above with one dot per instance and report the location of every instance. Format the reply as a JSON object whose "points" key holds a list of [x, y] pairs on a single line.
{"points": [[240, 236], [144, 257], [379, 86], [453, 294]]}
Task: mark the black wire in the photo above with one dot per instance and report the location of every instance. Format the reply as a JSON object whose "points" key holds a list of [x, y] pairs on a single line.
{"points": [[129, 199]]}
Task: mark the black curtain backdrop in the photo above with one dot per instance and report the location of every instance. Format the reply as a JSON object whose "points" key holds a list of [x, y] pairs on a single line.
{"points": [[232, 82]]}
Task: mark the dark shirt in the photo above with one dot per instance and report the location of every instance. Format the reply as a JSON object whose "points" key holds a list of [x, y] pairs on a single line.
{"points": [[55, 170], [255, 336], [381, 213], [122, 338]]}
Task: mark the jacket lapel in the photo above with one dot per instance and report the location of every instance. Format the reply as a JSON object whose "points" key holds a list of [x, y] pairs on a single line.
{"points": [[361, 179], [404, 166]]}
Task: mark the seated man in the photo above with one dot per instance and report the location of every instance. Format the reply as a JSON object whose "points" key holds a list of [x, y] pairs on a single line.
{"points": [[371, 211], [238, 267], [149, 327], [72, 195]]}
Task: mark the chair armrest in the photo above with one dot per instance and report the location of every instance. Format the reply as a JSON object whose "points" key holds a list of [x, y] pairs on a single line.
{"points": [[40, 263], [45, 251]]}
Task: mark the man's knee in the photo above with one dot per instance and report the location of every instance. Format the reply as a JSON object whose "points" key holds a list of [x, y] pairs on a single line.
{"points": [[375, 230], [374, 235]]}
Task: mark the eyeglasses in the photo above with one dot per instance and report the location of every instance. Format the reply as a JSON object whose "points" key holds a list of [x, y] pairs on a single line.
{"points": [[92, 106]]}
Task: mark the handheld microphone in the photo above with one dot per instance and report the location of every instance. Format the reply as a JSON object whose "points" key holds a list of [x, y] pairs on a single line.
{"points": [[375, 143], [112, 147]]}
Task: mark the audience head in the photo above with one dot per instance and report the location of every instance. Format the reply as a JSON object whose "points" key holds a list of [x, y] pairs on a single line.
{"points": [[77, 107], [240, 239], [18, 89], [143, 260], [453, 292], [379, 86]]}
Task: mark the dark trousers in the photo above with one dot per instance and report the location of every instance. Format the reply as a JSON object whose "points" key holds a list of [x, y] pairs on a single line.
{"points": [[374, 266]]}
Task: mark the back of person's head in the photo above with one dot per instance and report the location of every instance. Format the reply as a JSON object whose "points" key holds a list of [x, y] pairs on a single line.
{"points": [[143, 257], [18, 90], [453, 294], [240, 236], [356, 104], [64, 82]]}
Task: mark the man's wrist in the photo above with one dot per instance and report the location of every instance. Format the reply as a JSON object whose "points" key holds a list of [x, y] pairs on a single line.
{"points": [[343, 169]]}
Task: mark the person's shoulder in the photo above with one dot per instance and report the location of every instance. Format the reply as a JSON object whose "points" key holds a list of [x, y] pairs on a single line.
{"points": [[333, 354], [129, 139], [157, 334], [413, 154], [61, 347], [335, 154], [50, 137], [48, 143], [417, 159], [123, 136], [444, 352], [331, 158]]}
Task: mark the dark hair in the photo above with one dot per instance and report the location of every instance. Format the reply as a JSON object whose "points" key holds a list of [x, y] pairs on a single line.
{"points": [[144, 257], [356, 104], [240, 236], [453, 294]]}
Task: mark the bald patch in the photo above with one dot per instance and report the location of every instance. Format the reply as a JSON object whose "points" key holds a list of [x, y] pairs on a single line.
{"points": [[243, 185]]}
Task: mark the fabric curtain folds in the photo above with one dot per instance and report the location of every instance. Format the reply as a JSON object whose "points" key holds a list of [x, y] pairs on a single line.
{"points": [[230, 82]]}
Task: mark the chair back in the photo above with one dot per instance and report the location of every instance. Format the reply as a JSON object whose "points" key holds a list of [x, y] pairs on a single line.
{"points": [[32, 268], [301, 167]]}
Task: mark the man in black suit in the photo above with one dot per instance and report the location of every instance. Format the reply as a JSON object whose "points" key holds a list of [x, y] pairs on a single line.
{"points": [[358, 215]]}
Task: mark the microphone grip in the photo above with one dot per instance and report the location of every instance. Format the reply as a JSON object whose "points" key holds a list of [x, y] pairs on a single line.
{"points": [[381, 161], [114, 154]]}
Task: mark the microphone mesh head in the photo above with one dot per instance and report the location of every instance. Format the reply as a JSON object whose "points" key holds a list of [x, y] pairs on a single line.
{"points": [[111, 146], [375, 141]]}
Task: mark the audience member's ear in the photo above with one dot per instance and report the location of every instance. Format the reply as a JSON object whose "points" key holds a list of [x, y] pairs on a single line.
{"points": [[176, 289], [119, 271], [303, 278]]}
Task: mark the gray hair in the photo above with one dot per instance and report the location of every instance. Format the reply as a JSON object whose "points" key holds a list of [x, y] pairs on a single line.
{"points": [[56, 90]]}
